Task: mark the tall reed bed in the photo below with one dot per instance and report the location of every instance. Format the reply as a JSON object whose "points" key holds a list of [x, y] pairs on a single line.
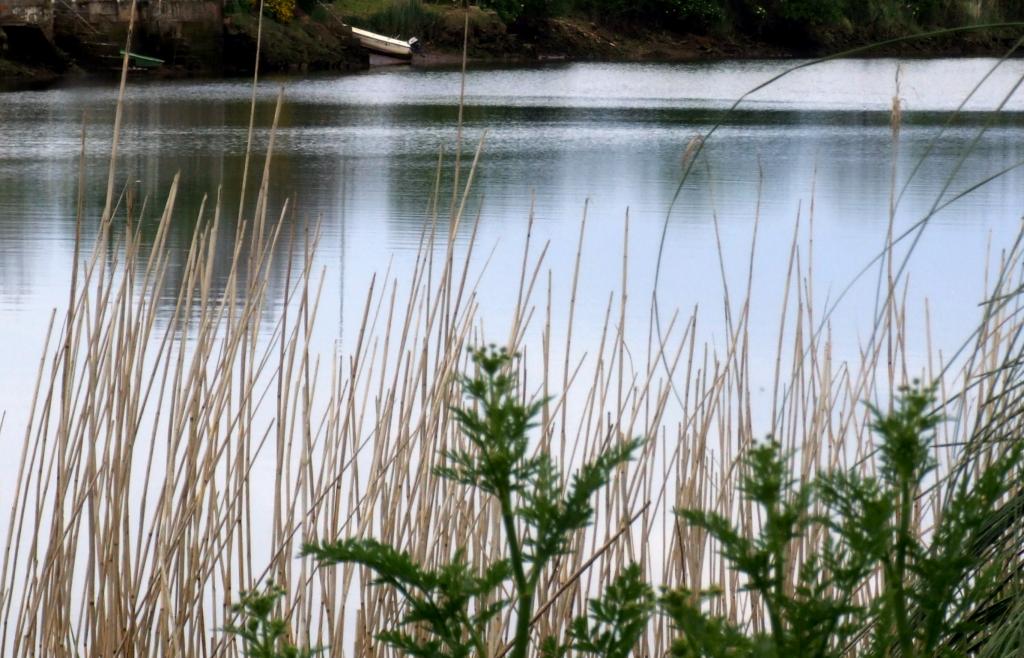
{"points": [[171, 462]]}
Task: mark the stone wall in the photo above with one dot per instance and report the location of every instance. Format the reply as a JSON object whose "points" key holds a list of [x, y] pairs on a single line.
{"points": [[190, 36], [27, 13], [187, 34]]}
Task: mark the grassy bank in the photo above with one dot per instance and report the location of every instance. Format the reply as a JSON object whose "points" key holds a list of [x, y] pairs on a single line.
{"points": [[292, 46]]}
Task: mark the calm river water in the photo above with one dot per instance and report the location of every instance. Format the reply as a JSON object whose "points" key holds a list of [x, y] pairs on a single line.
{"points": [[359, 152]]}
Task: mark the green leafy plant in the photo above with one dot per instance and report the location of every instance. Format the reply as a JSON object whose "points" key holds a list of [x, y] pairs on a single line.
{"points": [[809, 617], [931, 591], [263, 634], [817, 547], [448, 608], [615, 622]]}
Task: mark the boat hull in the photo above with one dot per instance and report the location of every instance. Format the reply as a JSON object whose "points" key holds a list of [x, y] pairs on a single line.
{"points": [[382, 45], [142, 61]]}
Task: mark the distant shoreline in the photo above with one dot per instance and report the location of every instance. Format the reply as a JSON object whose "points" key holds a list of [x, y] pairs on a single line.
{"points": [[561, 39]]}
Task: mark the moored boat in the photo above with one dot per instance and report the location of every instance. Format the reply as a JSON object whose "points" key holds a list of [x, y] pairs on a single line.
{"points": [[143, 61], [382, 45]]}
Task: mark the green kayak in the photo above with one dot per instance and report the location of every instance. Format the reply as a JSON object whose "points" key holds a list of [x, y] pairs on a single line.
{"points": [[142, 61]]}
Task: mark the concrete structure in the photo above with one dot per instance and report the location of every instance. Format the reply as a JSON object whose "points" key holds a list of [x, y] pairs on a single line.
{"points": [[186, 33], [27, 14], [26, 32]]}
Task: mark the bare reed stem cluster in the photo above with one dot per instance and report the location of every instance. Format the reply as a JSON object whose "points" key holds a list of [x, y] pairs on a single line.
{"points": [[172, 460]]}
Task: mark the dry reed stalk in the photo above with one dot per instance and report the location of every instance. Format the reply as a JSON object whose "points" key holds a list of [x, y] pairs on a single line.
{"points": [[174, 459]]}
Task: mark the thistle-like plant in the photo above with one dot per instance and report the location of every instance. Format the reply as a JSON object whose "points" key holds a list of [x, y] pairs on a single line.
{"points": [[932, 590], [809, 613], [447, 609], [614, 623], [263, 634], [935, 594]]}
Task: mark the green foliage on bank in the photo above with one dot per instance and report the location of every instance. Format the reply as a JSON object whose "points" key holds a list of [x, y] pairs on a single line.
{"points": [[787, 22], [767, 17]]}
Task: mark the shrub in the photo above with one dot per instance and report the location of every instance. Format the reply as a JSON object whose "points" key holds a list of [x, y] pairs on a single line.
{"points": [[311, 8], [318, 13], [280, 10], [238, 7], [405, 18], [698, 15], [932, 595], [789, 18], [812, 12], [526, 12]]}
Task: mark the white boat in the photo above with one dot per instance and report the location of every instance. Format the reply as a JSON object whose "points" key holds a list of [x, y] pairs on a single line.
{"points": [[382, 45]]}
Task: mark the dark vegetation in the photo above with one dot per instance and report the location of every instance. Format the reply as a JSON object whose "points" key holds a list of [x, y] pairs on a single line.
{"points": [[791, 25], [310, 35], [295, 46], [771, 16]]}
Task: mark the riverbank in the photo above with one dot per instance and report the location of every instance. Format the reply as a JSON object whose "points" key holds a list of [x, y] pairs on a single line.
{"points": [[16, 75], [321, 41], [301, 46], [84, 39], [579, 37]]}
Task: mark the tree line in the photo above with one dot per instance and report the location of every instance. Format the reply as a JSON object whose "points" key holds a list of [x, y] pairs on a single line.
{"points": [[761, 17]]}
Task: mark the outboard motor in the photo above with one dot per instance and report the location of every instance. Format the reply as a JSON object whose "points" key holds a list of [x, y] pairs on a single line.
{"points": [[416, 46]]}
